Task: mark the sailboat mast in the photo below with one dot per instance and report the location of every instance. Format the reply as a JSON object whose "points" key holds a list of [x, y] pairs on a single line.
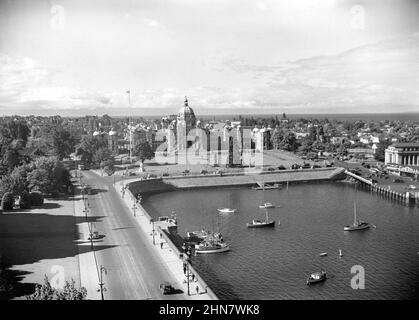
{"points": [[354, 213]]}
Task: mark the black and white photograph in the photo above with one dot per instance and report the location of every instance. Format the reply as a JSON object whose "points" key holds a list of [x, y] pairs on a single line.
{"points": [[197, 152]]}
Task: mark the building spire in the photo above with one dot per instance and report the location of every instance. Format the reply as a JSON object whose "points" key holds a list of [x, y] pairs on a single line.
{"points": [[186, 101]]}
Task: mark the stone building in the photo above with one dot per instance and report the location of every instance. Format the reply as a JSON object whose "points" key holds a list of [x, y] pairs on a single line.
{"points": [[406, 154]]}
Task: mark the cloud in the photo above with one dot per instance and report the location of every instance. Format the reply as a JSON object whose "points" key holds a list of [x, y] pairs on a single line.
{"points": [[380, 77]]}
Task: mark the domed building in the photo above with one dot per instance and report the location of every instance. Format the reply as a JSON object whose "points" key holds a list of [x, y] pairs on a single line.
{"points": [[186, 121], [187, 115]]}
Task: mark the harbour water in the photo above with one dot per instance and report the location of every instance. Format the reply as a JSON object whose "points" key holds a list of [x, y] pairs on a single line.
{"points": [[274, 263]]}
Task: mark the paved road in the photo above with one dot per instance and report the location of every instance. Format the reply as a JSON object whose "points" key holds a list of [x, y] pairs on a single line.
{"points": [[134, 269]]}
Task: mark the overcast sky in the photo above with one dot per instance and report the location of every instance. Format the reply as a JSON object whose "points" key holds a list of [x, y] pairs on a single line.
{"points": [[228, 56]]}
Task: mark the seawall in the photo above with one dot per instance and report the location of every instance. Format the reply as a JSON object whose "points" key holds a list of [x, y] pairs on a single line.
{"points": [[166, 184]]}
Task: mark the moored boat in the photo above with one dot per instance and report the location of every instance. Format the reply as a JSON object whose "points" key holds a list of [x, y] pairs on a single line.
{"points": [[227, 210], [316, 277], [357, 225], [260, 223], [208, 246], [267, 205]]}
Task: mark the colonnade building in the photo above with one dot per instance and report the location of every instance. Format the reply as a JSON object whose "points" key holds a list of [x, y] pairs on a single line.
{"points": [[406, 154]]}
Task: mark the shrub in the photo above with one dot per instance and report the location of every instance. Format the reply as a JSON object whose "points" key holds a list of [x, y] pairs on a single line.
{"points": [[36, 198], [24, 202], [8, 201]]}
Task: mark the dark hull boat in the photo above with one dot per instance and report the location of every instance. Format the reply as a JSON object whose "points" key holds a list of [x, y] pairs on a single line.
{"points": [[316, 277], [261, 224]]}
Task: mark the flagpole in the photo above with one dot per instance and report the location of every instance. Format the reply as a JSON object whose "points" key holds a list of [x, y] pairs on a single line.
{"points": [[129, 127]]}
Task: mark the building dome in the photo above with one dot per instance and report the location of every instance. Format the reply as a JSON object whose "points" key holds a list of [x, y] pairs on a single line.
{"points": [[186, 110], [186, 114]]}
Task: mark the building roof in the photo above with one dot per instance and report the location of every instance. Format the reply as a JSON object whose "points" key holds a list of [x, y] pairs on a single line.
{"points": [[405, 145]]}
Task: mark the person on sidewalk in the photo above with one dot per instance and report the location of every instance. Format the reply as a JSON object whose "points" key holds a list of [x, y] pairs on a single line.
{"points": [[197, 290]]}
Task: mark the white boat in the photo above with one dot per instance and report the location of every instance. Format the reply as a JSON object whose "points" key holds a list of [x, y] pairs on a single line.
{"points": [[263, 186], [209, 246], [357, 225], [316, 277], [226, 210], [323, 254], [267, 205], [340, 253]]}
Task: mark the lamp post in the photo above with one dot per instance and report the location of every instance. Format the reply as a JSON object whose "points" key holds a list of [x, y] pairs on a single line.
{"points": [[152, 221], [101, 283], [186, 264], [133, 207]]}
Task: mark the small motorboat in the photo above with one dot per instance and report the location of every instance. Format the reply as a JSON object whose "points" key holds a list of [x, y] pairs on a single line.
{"points": [[226, 210], [323, 254], [316, 277], [340, 253], [266, 205]]}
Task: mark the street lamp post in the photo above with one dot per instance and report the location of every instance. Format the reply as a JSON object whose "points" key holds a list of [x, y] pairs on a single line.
{"points": [[133, 207], [101, 283], [152, 221], [186, 264]]}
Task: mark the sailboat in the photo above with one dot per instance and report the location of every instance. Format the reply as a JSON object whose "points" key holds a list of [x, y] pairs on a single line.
{"points": [[256, 223], [213, 242], [357, 225]]}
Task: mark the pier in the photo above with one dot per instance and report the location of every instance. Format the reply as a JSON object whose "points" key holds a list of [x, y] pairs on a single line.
{"points": [[406, 197]]}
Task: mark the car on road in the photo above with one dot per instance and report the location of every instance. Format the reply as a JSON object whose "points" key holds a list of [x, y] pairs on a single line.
{"points": [[166, 288], [398, 181], [412, 187], [94, 236]]}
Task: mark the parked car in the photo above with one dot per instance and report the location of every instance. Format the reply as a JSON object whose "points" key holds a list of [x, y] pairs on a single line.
{"points": [[204, 172], [412, 187], [295, 166], [281, 167], [166, 288], [398, 180], [315, 166], [271, 169]]}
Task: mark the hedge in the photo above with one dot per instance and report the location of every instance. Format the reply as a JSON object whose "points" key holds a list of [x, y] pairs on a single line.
{"points": [[8, 201], [24, 202], [36, 198]]}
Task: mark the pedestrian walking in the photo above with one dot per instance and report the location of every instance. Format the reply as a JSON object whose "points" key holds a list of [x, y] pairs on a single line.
{"points": [[161, 245], [197, 290]]}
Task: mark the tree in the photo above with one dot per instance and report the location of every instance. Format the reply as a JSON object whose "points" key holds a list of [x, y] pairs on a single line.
{"points": [[88, 147], [101, 155], [276, 138], [18, 180], [38, 180], [380, 151], [63, 143], [8, 201], [289, 142], [24, 202], [143, 151], [47, 292]]}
